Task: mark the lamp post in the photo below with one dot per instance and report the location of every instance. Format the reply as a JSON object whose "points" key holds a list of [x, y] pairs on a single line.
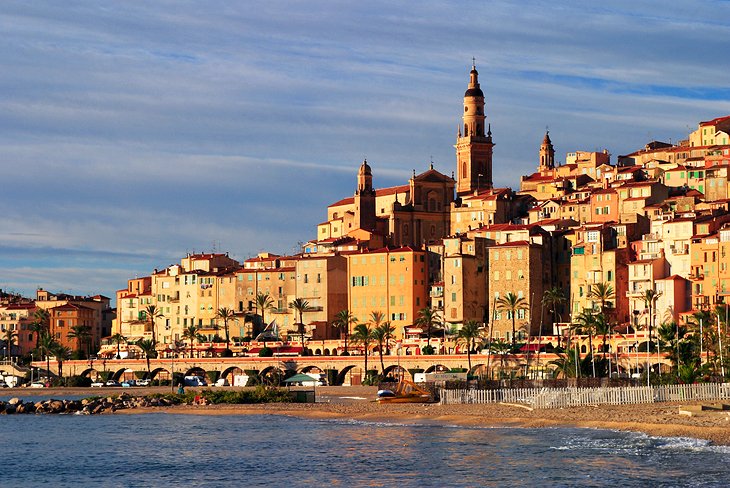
{"points": [[31, 368]]}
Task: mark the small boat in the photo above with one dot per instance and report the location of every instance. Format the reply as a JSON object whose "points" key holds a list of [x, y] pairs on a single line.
{"points": [[404, 392]]}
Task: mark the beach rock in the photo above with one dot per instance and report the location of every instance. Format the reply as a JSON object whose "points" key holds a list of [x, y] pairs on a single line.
{"points": [[57, 406], [14, 401]]}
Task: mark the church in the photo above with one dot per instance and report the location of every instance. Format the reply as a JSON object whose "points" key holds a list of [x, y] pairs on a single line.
{"points": [[420, 212]]}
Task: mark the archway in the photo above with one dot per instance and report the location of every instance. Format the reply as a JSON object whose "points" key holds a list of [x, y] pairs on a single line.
{"points": [[395, 372], [311, 369], [342, 375], [479, 370], [160, 374], [436, 368], [196, 371], [118, 374], [229, 373], [326, 352], [272, 376]]}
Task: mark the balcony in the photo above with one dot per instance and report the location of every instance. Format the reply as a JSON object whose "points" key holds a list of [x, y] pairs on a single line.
{"points": [[683, 249]]}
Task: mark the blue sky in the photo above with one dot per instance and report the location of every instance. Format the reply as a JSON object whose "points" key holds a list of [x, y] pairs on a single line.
{"points": [[134, 132]]}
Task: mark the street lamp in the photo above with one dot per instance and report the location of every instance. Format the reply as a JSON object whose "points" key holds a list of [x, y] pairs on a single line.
{"points": [[31, 368]]}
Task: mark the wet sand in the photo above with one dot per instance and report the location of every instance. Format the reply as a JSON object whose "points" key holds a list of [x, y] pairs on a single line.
{"points": [[357, 403]]}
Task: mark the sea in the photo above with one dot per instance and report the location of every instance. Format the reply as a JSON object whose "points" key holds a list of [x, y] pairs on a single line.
{"points": [[162, 449]]}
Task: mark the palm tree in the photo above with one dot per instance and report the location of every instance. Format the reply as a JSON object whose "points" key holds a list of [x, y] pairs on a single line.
{"points": [[42, 319], [118, 339], [45, 345], [586, 324], [552, 299], [603, 293], [502, 348], [381, 335], [342, 321], [650, 298], [468, 335], [264, 302], [82, 334], [62, 353], [226, 314], [149, 350], [300, 306], [569, 364], [9, 335], [152, 313], [363, 334], [428, 319], [511, 304], [191, 333]]}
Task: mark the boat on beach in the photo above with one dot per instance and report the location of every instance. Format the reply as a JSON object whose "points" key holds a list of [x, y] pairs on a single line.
{"points": [[404, 392]]}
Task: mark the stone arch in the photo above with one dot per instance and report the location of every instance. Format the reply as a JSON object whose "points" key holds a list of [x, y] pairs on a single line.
{"points": [[230, 372], [326, 352], [155, 372], [342, 374], [118, 374], [272, 376], [397, 372], [88, 371], [311, 369], [436, 368], [478, 370], [318, 352], [196, 371]]}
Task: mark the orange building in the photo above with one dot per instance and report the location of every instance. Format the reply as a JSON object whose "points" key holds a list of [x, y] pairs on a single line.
{"points": [[392, 281]]}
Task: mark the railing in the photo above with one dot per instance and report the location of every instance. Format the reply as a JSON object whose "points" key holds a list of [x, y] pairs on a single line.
{"points": [[577, 397]]}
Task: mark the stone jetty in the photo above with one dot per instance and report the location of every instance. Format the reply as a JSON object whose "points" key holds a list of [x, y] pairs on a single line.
{"points": [[87, 406]]}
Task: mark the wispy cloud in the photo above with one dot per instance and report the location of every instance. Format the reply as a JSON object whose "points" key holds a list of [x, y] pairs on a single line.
{"points": [[131, 133]]}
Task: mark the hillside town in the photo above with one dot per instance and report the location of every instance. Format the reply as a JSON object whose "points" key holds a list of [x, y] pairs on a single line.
{"points": [[641, 239]]}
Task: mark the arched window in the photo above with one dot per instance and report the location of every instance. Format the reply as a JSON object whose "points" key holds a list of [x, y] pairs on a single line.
{"points": [[405, 229], [466, 130], [463, 170]]}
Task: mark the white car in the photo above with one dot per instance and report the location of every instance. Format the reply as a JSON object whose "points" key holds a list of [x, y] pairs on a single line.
{"points": [[3, 384], [97, 384], [143, 382], [37, 384]]}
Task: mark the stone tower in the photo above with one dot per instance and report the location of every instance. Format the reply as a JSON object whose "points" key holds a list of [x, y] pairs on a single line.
{"points": [[365, 198], [547, 154], [473, 147]]}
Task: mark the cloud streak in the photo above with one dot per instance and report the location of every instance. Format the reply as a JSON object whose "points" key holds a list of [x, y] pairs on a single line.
{"points": [[131, 133]]}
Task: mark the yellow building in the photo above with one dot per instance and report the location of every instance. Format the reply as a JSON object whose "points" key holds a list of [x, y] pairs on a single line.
{"points": [[392, 281]]}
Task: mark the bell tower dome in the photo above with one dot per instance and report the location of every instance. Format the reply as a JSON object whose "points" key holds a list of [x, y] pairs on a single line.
{"points": [[473, 146], [547, 153]]}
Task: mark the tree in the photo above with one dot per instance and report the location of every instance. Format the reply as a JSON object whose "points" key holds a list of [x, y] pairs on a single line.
{"points": [[8, 337], [149, 350], [264, 302], [468, 334], [62, 353], [511, 304], [191, 333], [152, 313], [570, 364], [342, 321], [226, 314], [502, 348], [299, 305], [603, 293], [428, 319], [586, 324], [119, 339], [40, 324], [363, 334], [382, 335], [650, 298], [82, 334], [45, 345], [552, 299]]}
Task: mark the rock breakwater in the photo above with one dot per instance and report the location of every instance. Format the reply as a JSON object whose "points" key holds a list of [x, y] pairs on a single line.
{"points": [[87, 406]]}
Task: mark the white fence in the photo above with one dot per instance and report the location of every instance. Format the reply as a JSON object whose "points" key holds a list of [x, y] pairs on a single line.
{"points": [[576, 397]]}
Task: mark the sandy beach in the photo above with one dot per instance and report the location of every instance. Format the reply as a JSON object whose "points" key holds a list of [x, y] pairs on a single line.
{"points": [[357, 403]]}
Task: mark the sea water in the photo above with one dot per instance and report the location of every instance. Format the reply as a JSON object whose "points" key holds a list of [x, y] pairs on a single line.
{"points": [[160, 449]]}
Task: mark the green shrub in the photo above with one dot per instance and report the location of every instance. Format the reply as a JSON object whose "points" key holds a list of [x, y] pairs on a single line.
{"points": [[428, 350], [266, 352]]}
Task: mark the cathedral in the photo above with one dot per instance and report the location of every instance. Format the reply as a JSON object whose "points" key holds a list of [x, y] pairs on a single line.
{"points": [[419, 212]]}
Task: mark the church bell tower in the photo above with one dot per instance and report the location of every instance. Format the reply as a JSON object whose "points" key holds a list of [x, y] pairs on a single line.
{"points": [[473, 147]]}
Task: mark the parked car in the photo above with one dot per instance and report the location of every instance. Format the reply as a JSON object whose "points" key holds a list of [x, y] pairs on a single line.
{"points": [[3, 384], [97, 384], [112, 383], [129, 383], [144, 382], [221, 382], [37, 384]]}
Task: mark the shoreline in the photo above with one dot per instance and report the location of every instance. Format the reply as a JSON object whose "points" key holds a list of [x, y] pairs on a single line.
{"points": [[357, 403]]}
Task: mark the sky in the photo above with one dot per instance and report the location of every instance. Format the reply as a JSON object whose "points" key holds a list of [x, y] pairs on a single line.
{"points": [[132, 133]]}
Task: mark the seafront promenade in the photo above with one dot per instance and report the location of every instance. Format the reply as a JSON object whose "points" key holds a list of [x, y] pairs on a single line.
{"points": [[348, 370]]}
